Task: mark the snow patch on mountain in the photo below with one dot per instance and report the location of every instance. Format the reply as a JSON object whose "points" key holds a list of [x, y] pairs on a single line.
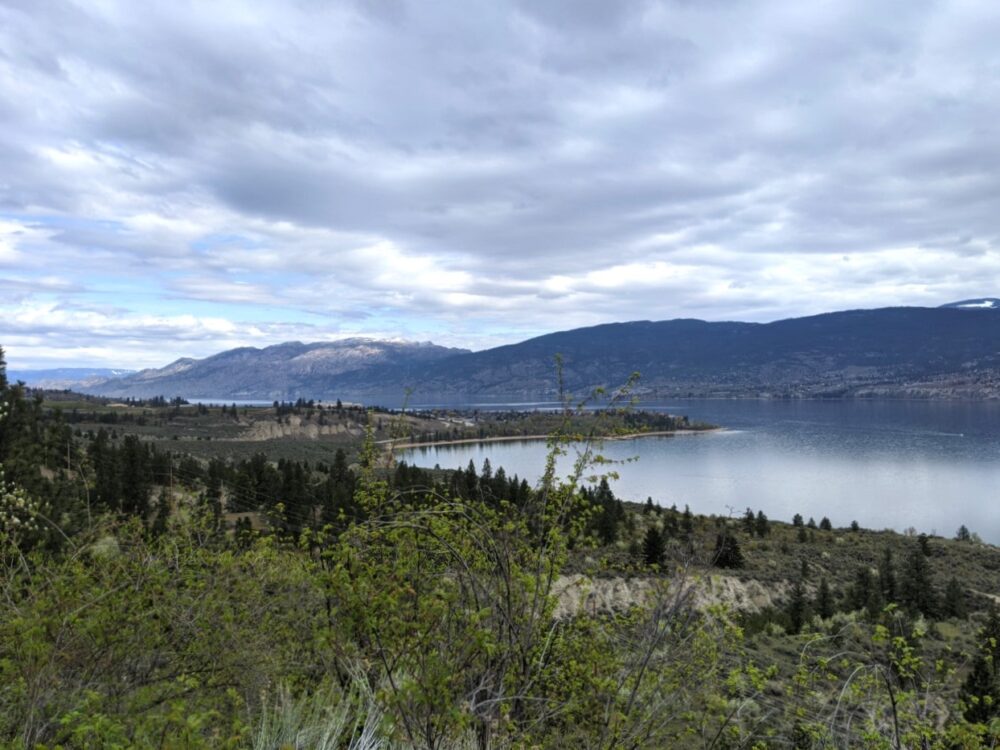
{"points": [[984, 303]]}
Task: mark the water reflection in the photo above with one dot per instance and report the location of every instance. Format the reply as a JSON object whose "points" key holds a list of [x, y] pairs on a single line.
{"points": [[886, 464]]}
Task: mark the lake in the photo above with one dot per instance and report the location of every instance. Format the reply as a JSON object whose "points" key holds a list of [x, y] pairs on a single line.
{"points": [[932, 465]]}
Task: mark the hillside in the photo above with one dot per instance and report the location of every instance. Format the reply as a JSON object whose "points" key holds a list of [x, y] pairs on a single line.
{"points": [[952, 351], [890, 351], [66, 377], [242, 573], [276, 372]]}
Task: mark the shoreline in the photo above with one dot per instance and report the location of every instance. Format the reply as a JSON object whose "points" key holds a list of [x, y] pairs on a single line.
{"points": [[537, 438]]}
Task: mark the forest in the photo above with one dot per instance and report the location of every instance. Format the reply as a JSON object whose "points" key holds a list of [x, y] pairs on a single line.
{"points": [[161, 598]]}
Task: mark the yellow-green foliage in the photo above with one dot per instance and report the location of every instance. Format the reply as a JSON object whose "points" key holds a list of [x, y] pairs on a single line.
{"points": [[168, 638], [427, 622]]}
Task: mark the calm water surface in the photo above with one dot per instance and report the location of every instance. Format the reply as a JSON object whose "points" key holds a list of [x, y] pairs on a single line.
{"points": [[886, 464]]}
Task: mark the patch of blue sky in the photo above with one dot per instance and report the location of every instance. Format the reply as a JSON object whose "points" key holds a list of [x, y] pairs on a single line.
{"points": [[221, 240], [60, 221]]}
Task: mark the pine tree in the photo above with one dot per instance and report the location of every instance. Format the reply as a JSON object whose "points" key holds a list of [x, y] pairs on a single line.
{"points": [[160, 520], [989, 638], [979, 692], [887, 577], [924, 543], [748, 522], [727, 551], [761, 525], [670, 526], [863, 592], [825, 524], [954, 599], [797, 607], [653, 548], [687, 523], [916, 591], [610, 513], [136, 481], [797, 519], [824, 599]]}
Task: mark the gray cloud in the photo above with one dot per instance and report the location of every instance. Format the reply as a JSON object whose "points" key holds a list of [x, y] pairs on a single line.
{"points": [[483, 171]]}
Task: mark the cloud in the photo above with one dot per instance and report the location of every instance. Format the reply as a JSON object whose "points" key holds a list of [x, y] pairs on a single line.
{"points": [[478, 172]]}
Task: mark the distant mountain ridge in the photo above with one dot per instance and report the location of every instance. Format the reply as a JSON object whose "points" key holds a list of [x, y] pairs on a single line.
{"points": [[274, 372], [66, 377], [951, 351]]}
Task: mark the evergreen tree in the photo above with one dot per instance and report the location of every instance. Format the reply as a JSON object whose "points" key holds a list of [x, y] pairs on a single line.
{"points": [[863, 593], [825, 524], [727, 551], [471, 481], [136, 481], [162, 517], [610, 513], [213, 480], [824, 599], [107, 477], [749, 522], [916, 591], [954, 599], [979, 692], [963, 534], [797, 607], [687, 523], [989, 638], [670, 525], [887, 577], [797, 519], [761, 525], [923, 541], [653, 548]]}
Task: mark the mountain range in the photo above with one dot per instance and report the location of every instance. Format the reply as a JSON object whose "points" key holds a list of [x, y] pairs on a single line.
{"points": [[951, 351], [60, 378], [287, 370]]}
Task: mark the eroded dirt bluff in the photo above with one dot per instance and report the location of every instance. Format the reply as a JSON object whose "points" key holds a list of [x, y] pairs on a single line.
{"points": [[296, 427], [578, 593]]}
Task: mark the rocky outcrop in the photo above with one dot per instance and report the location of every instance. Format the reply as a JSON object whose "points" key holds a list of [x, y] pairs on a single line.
{"points": [[577, 593], [297, 427]]}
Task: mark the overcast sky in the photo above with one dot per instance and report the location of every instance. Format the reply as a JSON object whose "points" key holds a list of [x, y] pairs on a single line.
{"points": [[178, 178]]}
